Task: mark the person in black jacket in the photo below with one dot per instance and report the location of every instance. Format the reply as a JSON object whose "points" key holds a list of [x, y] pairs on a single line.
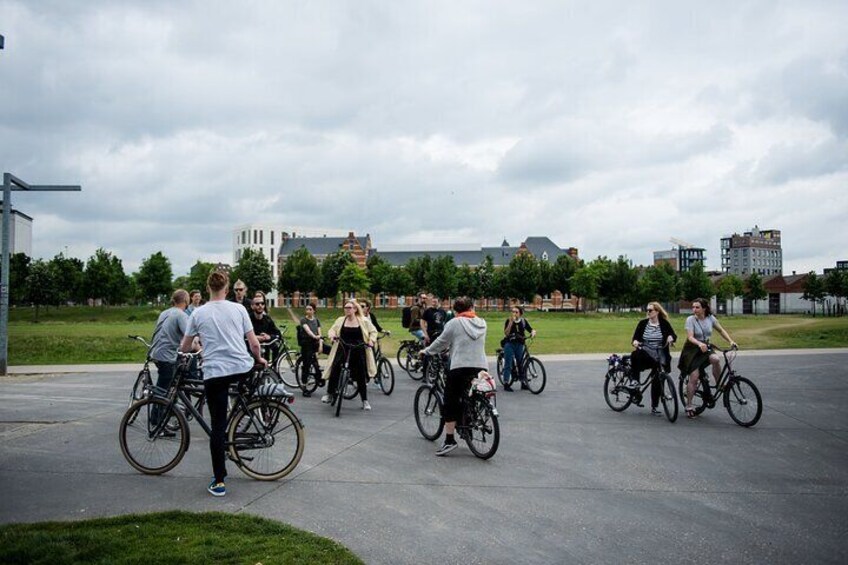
{"points": [[651, 341], [263, 326]]}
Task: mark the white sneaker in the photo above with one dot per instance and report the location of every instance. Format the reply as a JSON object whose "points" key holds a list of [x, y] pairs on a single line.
{"points": [[326, 399], [366, 406]]}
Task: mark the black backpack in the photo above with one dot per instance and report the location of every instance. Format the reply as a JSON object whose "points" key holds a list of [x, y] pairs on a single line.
{"points": [[406, 317]]}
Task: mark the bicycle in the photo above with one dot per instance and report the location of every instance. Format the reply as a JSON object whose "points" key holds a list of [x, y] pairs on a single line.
{"points": [[437, 368], [346, 387], [385, 376], [409, 360], [619, 395], [310, 378], [742, 399], [143, 382], [264, 437], [531, 367], [478, 423]]}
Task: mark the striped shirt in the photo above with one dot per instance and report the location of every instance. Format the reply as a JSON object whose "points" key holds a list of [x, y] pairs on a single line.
{"points": [[652, 336]]}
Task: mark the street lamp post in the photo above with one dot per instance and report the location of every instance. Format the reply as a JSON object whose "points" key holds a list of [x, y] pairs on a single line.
{"points": [[12, 183]]}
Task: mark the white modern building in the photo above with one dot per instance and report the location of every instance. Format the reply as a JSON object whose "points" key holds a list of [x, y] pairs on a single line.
{"points": [[21, 233], [267, 240]]}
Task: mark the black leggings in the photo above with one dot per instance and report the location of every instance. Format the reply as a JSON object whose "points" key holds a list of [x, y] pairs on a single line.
{"points": [[217, 396], [640, 361], [358, 371], [456, 385]]}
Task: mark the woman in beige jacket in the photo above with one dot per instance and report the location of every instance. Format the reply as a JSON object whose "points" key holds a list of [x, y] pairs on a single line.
{"points": [[349, 331]]}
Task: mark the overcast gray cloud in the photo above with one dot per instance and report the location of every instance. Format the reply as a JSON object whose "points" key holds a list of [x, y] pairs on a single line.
{"points": [[610, 127]]}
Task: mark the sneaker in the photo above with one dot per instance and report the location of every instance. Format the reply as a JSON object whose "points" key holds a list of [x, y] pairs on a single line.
{"points": [[216, 489], [633, 383], [446, 448], [655, 412], [167, 433], [326, 399], [366, 406], [507, 388], [524, 386]]}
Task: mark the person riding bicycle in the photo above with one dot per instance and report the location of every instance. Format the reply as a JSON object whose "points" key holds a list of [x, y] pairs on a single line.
{"points": [[651, 341], [465, 337], [222, 327], [696, 353], [263, 326], [515, 330], [167, 335], [354, 329], [433, 322], [415, 317], [365, 304]]}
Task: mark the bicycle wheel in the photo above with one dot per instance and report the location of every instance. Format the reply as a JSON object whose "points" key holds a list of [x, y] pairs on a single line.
{"points": [[146, 441], [617, 396], [428, 412], [697, 399], [500, 365], [401, 355], [535, 375], [142, 386], [266, 440], [668, 396], [351, 389], [386, 375], [307, 379], [344, 377], [743, 402], [286, 371], [414, 366], [484, 433]]}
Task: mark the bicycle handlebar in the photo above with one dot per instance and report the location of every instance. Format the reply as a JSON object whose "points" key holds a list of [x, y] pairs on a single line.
{"points": [[141, 339]]}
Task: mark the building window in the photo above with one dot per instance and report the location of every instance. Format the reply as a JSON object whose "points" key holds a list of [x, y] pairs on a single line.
{"points": [[272, 253], [272, 237], [544, 255], [261, 233]]}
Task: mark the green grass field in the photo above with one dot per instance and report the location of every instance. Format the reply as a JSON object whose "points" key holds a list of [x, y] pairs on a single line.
{"points": [[74, 335], [169, 537]]}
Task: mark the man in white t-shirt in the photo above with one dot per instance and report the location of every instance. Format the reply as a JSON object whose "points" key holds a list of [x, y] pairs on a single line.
{"points": [[222, 327]]}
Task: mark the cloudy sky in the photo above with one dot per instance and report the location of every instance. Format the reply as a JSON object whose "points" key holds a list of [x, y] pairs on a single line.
{"points": [[609, 126]]}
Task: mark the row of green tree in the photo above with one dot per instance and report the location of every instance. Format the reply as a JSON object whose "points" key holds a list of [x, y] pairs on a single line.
{"points": [[614, 284]]}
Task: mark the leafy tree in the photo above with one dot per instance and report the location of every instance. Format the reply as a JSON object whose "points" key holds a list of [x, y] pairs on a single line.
{"points": [[300, 273], [70, 279], [561, 272], [754, 289], [660, 283], [836, 285], [523, 277], [485, 273], [618, 283], [418, 267], [467, 282], [499, 285], [331, 270], [154, 277], [41, 285], [814, 291], [585, 283], [105, 278], [695, 283], [399, 282], [546, 284], [442, 277], [254, 270], [353, 279], [18, 273], [729, 288], [197, 276]]}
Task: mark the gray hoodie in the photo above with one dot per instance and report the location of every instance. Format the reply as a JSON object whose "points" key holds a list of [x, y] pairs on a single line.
{"points": [[466, 338]]}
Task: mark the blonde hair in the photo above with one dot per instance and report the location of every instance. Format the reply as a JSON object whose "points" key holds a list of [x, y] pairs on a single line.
{"points": [[356, 307], [660, 310]]}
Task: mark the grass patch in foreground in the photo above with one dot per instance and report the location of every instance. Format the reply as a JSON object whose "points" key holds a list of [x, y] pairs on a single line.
{"points": [[168, 537]]}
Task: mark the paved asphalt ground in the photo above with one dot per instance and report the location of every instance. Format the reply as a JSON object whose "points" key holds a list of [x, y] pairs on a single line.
{"points": [[572, 482]]}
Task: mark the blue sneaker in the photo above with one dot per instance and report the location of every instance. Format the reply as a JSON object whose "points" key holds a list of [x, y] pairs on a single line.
{"points": [[217, 489]]}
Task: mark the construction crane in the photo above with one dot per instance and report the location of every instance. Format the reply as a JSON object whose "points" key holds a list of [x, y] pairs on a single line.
{"points": [[682, 244]]}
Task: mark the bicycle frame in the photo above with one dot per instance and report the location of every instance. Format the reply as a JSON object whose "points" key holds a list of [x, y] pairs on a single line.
{"points": [[724, 377]]}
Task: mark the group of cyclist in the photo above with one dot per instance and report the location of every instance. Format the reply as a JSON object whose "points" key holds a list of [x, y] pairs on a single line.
{"points": [[653, 338]]}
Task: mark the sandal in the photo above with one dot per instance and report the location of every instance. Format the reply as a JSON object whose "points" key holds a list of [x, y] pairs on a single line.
{"points": [[690, 411]]}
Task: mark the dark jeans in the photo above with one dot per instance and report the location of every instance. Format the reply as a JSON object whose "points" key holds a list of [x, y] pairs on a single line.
{"points": [[217, 397], [641, 360], [513, 350], [309, 358], [166, 372]]}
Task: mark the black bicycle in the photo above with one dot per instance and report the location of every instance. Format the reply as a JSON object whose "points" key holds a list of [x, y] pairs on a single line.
{"points": [[409, 360], [285, 364], [143, 382], [741, 398], [531, 368], [310, 377], [619, 393], [264, 437], [478, 425], [347, 386], [385, 376]]}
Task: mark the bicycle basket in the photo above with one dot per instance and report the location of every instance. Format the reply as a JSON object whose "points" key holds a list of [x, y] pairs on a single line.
{"points": [[483, 384]]}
